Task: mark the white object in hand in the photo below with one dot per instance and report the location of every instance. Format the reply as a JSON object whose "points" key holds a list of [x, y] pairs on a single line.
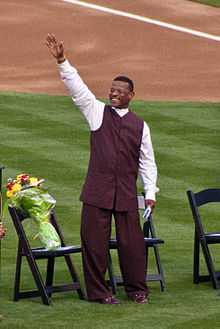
{"points": [[147, 212]]}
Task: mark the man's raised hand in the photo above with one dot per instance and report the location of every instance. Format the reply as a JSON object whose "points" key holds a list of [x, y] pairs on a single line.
{"points": [[56, 48]]}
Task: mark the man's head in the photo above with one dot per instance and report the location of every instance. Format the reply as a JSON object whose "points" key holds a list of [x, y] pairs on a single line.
{"points": [[121, 92]]}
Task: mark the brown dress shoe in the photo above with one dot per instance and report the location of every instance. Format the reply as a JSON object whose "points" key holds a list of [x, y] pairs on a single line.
{"points": [[140, 299], [109, 300]]}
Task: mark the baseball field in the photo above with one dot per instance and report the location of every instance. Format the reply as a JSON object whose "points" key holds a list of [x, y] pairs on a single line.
{"points": [[176, 73]]}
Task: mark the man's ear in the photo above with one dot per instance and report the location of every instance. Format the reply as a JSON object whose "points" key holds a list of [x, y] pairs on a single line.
{"points": [[131, 94]]}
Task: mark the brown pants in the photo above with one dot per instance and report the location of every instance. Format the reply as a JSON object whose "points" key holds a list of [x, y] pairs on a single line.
{"points": [[95, 234]]}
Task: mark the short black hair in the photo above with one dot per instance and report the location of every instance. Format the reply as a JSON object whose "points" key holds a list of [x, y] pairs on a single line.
{"points": [[125, 79]]}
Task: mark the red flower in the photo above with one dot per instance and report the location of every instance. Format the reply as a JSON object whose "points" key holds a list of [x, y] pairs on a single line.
{"points": [[24, 179], [10, 186]]}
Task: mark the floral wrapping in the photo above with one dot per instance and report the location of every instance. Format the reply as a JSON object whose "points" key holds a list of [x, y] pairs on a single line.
{"points": [[25, 193]]}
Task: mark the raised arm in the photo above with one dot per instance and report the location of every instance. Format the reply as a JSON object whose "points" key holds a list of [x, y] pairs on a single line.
{"points": [[91, 108]]}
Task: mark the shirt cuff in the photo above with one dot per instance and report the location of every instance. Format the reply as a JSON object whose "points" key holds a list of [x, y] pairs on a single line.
{"points": [[151, 195], [66, 67]]}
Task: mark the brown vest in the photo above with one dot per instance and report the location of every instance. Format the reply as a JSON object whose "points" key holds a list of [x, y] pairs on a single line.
{"points": [[114, 162]]}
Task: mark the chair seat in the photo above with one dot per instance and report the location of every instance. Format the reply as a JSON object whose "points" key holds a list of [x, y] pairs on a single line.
{"points": [[61, 251], [149, 242], [213, 237], [152, 241]]}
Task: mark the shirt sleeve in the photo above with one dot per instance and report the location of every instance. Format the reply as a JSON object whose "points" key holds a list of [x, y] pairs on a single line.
{"points": [[84, 99], [147, 165]]}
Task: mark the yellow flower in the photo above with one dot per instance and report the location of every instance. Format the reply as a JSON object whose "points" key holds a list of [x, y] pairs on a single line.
{"points": [[9, 194], [33, 181], [16, 187]]}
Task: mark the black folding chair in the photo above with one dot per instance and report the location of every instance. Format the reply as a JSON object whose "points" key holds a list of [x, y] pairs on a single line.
{"points": [[44, 290], [203, 238], [151, 241]]}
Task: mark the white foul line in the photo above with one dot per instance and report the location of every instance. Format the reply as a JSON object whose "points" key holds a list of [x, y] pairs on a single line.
{"points": [[144, 19]]}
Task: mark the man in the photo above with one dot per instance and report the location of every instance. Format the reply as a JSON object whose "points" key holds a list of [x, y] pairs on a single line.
{"points": [[120, 148]]}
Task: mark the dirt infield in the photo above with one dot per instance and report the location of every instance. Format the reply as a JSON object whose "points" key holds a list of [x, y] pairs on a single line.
{"points": [[164, 64]]}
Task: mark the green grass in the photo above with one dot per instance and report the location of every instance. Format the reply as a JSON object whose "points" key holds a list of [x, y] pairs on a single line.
{"points": [[214, 3], [45, 136]]}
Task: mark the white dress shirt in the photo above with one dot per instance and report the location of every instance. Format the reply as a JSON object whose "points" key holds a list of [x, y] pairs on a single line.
{"points": [[93, 111]]}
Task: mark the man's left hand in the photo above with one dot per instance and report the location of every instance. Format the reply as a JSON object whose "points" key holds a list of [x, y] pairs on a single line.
{"points": [[151, 203]]}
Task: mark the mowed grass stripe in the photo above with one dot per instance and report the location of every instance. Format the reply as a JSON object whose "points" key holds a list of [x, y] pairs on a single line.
{"points": [[48, 137], [34, 108], [172, 152], [175, 169], [43, 149], [41, 127], [202, 114]]}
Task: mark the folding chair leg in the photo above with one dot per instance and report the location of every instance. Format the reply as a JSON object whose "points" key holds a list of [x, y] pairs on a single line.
{"points": [[150, 229], [50, 273], [159, 268], [74, 275], [112, 279], [38, 280], [196, 260], [210, 265], [17, 273]]}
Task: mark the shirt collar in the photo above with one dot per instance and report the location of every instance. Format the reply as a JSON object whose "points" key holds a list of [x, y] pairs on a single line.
{"points": [[121, 112]]}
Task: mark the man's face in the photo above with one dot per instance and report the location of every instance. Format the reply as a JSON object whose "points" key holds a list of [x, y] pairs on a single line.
{"points": [[120, 94]]}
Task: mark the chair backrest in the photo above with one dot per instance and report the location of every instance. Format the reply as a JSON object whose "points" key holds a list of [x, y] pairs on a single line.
{"points": [[18, 217], [207, 196], [198, 199]]}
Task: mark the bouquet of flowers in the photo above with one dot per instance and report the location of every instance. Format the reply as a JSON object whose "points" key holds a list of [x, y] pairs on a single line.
{"points": [[26, 194]]}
